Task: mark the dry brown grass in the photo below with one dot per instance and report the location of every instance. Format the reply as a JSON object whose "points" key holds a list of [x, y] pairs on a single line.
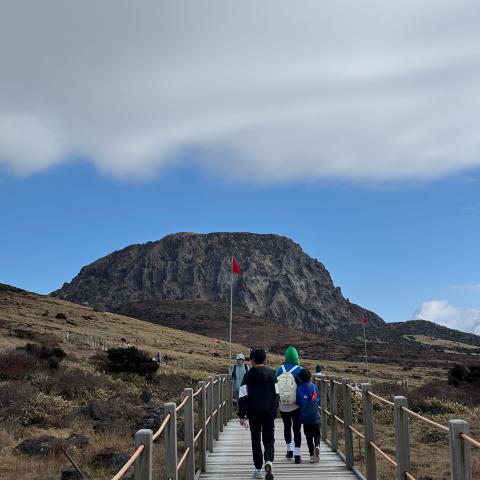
{"points": [[78, 381]]}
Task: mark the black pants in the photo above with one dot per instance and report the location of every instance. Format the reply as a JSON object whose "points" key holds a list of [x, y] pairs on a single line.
{"points": [[312, 434], [292, 419], [262, 430]]}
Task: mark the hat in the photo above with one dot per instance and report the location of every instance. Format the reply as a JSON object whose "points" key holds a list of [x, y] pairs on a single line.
{"points": [[240, 356]]}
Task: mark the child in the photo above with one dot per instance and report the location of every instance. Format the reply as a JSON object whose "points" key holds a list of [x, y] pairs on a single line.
{"points": [[308, 399]]}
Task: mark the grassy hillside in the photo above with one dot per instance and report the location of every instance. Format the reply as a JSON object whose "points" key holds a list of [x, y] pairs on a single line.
{"points": [[81, 397]]}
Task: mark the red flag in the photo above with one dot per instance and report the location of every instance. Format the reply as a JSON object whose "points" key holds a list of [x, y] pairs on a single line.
{"points": [[365, 320], [235, 267]]}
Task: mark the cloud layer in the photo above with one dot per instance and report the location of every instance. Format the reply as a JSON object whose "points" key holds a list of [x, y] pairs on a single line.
{"points": [[268, 91], [448, 315]]}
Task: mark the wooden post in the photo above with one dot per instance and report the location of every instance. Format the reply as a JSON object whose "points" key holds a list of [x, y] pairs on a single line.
{"points": [[210, 410], [225, 399], [460, 451], [143, 464], [347, 419], [323, 404], [216, 391], [333, 411], [202, 416], [170, 438], [402, 437], [370, 459], [189, 435], [220, 407], [230, 397]]}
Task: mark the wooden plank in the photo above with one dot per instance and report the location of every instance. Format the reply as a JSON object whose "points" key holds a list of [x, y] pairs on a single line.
{"points": [[232, 459]]}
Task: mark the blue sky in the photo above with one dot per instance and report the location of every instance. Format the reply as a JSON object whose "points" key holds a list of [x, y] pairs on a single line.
{"points": [[389, 248], [351, 127]]}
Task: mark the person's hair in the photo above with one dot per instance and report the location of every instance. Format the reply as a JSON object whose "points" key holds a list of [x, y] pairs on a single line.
{"points": [[304, 375], [258, 356]]}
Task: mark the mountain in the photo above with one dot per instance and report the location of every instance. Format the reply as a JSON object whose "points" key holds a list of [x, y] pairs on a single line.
{"points": [[279, 281]]}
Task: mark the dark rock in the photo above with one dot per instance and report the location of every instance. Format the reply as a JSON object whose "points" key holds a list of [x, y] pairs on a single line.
{"points": [[45, 313], [152, 420], [95, 412], [61, 316], [43, 445], [76, 440], [146, 396], [109, 458], [70, 474], [433, 436]]}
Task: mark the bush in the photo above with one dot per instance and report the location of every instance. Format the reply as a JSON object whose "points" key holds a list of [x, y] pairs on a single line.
{"points": [[74, 384], [53, 354], [17, 364], [131, 360], [459, 374], [47, 411]]}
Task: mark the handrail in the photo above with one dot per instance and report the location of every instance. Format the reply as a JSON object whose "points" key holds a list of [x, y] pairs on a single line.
{"points": [[327, 412], [162, 427], [354, 430], [197, 436], [338, 383], [383, 454], [410, 477], [179, 407], [185, 453], [197, 392], [426, 420], [338, 419], [129, 463], [470, 440], [207, 421], [381, 399]]}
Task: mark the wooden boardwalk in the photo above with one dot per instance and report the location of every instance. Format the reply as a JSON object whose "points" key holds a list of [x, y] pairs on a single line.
{"points": [[232, 459]]}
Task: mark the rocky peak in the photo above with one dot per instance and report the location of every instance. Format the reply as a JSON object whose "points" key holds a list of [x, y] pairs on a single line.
{"points": [[279, 281]]}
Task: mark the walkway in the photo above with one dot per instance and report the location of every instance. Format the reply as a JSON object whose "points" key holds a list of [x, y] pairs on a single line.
{"points": [[232, 459]]}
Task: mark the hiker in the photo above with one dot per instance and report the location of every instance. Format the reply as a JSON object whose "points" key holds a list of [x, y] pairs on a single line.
{"points": [[258, 401], [287, 376], [238, 372], [308, 400]]}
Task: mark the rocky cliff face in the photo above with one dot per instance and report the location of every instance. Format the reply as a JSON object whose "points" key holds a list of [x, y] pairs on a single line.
{"points": [[278, 282]]}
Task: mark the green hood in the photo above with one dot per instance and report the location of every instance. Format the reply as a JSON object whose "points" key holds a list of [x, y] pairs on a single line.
{"points": [[291, 356]]}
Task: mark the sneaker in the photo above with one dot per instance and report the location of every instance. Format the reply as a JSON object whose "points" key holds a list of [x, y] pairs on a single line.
{"points": [[312, 458], [268, 471], [298, 459], [257, 474], [289, 454], [317, 455]]}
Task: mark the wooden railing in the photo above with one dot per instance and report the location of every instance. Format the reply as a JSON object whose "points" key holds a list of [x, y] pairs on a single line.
{"points": [[214, 409], [458, 430]]}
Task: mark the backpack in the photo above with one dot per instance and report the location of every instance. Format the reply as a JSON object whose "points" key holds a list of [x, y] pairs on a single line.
{"points": [[309, 410], [234, 371], [287, 386]]}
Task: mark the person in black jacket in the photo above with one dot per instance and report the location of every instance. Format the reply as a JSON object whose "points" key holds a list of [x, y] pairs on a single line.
{"points": [[258, 401]]}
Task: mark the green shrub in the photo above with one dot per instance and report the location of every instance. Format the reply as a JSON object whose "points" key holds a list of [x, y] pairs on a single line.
{"points": [[131, 360], [459, 374]]}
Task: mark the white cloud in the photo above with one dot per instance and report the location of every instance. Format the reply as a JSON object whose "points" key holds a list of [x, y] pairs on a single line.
{"points": [[448, 315], [271, 91]]}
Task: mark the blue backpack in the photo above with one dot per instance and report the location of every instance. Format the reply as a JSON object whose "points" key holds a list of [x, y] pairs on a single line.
{"points": [[309, 408]]}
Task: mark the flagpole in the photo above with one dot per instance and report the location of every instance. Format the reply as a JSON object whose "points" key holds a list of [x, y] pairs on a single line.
{"points": [[231, 302], [365, 340]]}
